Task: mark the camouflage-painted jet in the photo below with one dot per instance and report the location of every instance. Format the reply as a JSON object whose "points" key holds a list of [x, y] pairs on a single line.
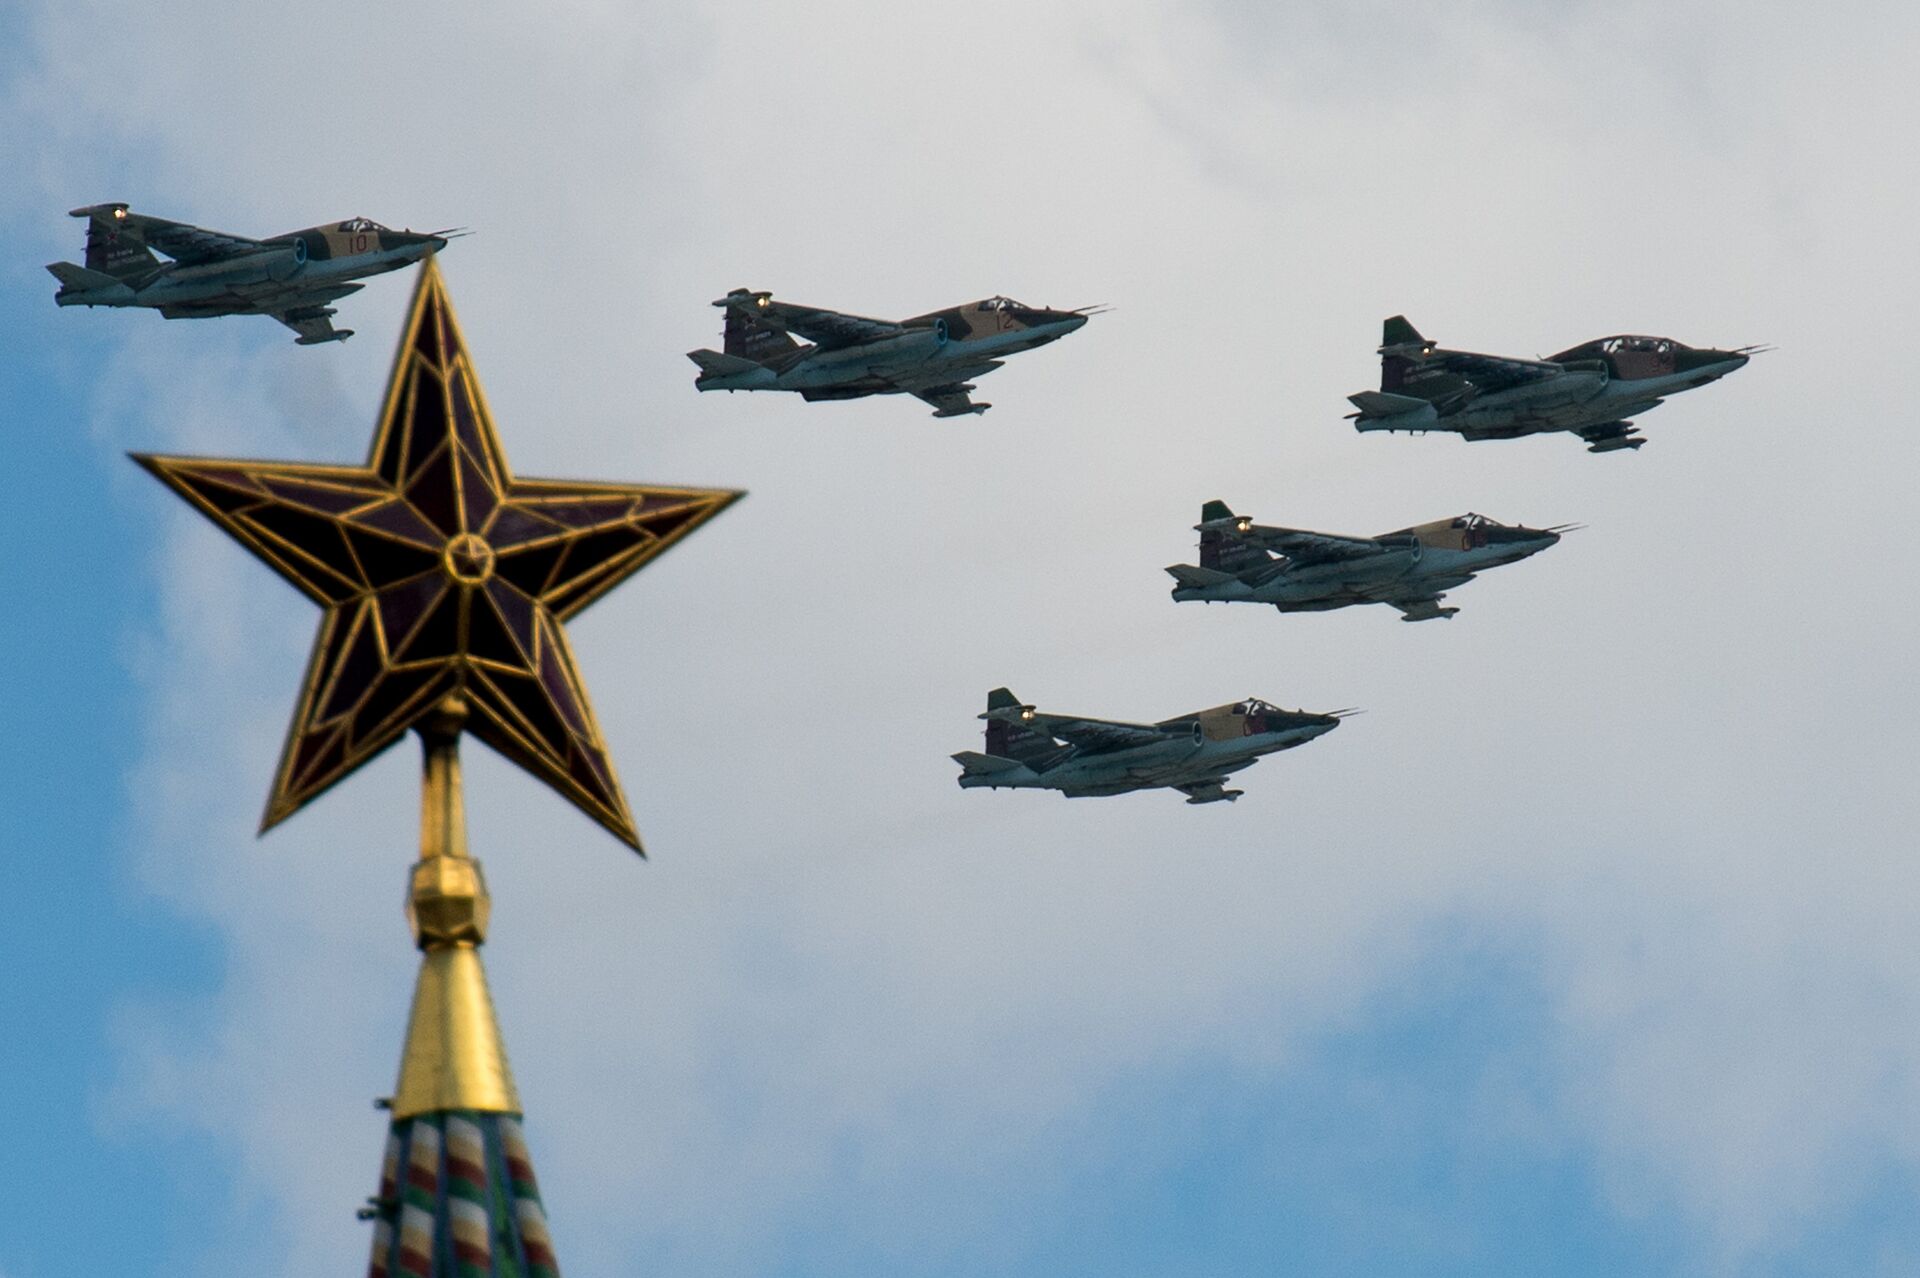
{"points": [[1193, 754], [1590, 390], [291, 277], [929, 356], [1296, 571]]}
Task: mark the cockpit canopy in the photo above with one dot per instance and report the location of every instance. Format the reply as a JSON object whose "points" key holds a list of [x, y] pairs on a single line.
{"points": [[1252, 706], [1471, 521], [1003, 304], [1639, 345], [360, 225]]}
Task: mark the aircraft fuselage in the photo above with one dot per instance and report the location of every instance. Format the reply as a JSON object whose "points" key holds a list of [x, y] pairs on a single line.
{"points": [[320, 259], [1439, 558], [928, 353], [1596, 387], [1177, 760]]}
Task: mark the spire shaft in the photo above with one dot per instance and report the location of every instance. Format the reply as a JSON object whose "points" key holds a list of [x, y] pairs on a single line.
{"points": [[457, 1195], [454, 1057]]}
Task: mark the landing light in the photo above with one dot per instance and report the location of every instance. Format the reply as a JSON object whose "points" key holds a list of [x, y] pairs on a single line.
{"points": [[762, 302], [1243, 524], [1026, 715], [120, 214]]}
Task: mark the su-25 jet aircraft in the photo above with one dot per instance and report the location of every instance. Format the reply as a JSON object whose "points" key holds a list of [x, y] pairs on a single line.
{"points": [[1193, 753], [929, 356], [1297, 571], [1589, 390], [291, 277]]}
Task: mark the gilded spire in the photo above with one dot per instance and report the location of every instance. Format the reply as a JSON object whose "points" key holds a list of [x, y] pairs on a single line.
{"points": [[454, 1058], [457, 1193]]}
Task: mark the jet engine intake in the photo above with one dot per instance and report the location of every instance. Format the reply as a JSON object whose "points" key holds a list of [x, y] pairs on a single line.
{"points": [[286, 262]]}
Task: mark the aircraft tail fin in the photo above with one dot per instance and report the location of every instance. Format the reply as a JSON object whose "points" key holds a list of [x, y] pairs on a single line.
{"points": [[748, 336], [1010, 737], [115, 246], [1397, 332], [1215, 509], [1002, 699], [1224, 551], [1401, 348]]}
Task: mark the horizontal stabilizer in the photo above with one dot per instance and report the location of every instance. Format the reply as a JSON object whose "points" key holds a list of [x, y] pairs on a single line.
{"points": [[975, 764], [79, 277], [1197, 578], [1383, 404], [720, 365]]}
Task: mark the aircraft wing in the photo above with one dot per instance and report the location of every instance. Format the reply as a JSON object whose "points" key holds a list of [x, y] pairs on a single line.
{"points": [[1422, 602], [825, 329], [1300, 545], [949, 394], [1097, 736], [1491, 372], [190, 245]]}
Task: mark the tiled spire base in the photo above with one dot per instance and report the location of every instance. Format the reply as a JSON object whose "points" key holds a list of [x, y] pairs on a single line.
{"points": [[458, 1200]]}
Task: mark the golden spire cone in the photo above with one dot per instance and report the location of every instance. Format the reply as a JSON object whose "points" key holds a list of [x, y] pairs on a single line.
{"points": [[454, 1057]]}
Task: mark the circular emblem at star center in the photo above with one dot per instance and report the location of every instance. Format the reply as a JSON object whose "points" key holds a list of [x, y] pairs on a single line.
{"points": [[468, 559]]}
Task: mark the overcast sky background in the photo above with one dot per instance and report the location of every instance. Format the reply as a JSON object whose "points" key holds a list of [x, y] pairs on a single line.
{"points": [[1588, 948]]}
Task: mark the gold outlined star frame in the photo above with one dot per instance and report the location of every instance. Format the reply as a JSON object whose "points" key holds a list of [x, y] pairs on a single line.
{"points": [[439, 571]]}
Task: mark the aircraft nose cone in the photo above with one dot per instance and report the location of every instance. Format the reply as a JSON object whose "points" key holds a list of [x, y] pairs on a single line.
{"points": [[1712, 363], [1536, 540]]}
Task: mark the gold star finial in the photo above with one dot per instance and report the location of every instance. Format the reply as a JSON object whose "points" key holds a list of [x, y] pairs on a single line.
{"points": [[439, 572]]}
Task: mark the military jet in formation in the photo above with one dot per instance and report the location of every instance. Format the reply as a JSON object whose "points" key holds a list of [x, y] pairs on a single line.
{"points": [[1299, 571], [1194, 753], [291, 277], [930, 356], [1589, 390]]}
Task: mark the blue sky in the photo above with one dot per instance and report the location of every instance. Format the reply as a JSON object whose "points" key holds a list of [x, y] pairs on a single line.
{"points": [[1585, 950]]}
